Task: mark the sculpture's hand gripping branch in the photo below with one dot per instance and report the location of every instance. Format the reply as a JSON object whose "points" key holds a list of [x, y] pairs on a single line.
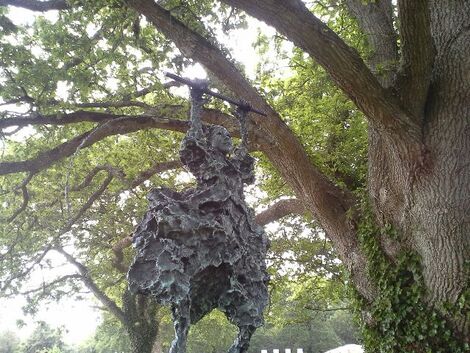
{"points": [[241, 113], [198, 89], [202, 86], [197, 103]]}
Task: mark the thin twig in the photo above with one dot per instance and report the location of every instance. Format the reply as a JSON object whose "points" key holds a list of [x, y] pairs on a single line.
{"points": [[23, 206]]}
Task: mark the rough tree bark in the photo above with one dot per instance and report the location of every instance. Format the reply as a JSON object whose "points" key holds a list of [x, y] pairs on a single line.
{"points": [[141, 321]]}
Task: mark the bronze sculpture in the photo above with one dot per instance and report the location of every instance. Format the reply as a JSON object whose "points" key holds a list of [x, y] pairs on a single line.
{"points": [[200, 249]]}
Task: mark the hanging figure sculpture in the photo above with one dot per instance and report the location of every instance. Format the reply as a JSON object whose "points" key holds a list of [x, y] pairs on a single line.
{"points": [[200, 249]]}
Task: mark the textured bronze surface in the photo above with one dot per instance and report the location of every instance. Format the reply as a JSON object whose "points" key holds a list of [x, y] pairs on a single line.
{"points": [[200, 249]]}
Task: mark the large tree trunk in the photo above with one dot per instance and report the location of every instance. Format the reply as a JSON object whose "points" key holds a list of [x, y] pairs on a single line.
{"points": [[440, 212], [141, 342], [426, 195], [141, 321]]}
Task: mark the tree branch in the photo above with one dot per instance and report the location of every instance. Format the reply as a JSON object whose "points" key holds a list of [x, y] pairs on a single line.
{"points": [[51, 284], [23, 206], [158, 167], [115, 125], [314, 308], [417, 54], [280, 209], [118, 250], [120, 104], [343, 63], [111, 125], [112, 171], [64, 119], [92, 286], [87, 204], [6, 284], [33, 5], [375, 18]]}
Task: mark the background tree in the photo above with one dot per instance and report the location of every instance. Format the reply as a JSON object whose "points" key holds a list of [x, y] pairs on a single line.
{"points": [[9, 342], [303, 314], [401, 231], [44, 339], [110, 336]]}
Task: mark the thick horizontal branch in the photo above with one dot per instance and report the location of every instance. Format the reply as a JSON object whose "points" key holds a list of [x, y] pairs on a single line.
{"points": [[314, 308], [33, 5], [280, 209], [111, 125], [58, 119], [343, 63], [116, 125], [92, 286], [172, 111]]}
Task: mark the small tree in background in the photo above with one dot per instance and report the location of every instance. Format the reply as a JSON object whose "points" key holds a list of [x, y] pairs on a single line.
{"points": [[44, 339], [9, 342]]}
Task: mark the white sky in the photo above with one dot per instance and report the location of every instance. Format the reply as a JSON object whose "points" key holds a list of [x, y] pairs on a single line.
{"points": [[79, 318]]}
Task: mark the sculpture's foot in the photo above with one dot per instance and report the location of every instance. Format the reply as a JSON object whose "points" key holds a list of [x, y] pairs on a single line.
{"points": [[181, 320], [178, 346], [242, 341]]}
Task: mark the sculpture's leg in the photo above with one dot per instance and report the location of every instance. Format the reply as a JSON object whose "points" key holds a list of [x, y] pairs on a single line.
{"points": [[181, 321], [241, 343]]}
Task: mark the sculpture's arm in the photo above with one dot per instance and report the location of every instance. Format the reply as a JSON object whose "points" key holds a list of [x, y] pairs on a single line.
{"points": [[193, 151], [195, 131], [194, 147], [245, 164]]}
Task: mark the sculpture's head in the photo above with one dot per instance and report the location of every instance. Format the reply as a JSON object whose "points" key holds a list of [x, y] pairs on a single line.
{"points": [[220, 139]]}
